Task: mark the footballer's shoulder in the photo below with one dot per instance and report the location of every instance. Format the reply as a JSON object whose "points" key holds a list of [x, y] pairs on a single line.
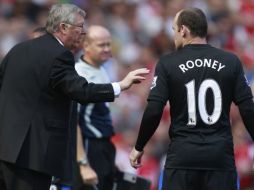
{"points": [[170, 55]]}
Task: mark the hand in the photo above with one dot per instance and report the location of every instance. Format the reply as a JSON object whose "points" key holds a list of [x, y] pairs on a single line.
{"points": [[135, 158], [133, 77], [88, 175]]}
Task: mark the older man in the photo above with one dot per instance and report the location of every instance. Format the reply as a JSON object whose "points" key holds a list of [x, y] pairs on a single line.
{"points": [[37, 83]]}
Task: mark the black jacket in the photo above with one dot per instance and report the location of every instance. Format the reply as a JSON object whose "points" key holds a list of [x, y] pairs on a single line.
{"points": [[37, 83]]}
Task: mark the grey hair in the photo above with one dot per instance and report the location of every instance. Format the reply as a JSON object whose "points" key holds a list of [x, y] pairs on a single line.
{"points": [[62, 13]]}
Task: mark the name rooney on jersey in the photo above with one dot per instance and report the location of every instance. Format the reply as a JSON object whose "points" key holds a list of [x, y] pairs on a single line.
{"points": [[214, 64]]}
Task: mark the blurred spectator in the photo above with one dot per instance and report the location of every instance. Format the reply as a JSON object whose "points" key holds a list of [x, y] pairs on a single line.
{"points": [[95, 151]]}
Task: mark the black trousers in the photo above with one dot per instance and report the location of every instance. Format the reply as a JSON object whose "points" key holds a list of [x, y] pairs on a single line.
{"points": [[12, 177], [101, 156], [179, 179]]}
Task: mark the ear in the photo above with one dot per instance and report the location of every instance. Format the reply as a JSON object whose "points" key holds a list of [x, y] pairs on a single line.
{"points": [[184, 31], [86, 45], [63, 28]]}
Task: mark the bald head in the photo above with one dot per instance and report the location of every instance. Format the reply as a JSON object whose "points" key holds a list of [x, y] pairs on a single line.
{"points": [[97, 46], [96, 31]]}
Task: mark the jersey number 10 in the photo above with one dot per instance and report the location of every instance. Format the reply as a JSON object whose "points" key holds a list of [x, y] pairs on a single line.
{"points": [[191, 98]]}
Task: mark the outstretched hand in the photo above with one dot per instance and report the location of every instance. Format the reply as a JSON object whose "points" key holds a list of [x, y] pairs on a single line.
{"points": [[133, 77], [135, 158]]}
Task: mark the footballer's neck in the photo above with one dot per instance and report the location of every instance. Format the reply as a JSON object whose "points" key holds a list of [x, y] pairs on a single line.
{"points": [[195, 40]]}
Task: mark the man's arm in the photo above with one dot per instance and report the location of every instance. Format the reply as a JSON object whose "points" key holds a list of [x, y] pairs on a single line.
{"points": [[88, 175], [149, 124], [243, 97], [64, 78], [246, 109], [158, 97]]}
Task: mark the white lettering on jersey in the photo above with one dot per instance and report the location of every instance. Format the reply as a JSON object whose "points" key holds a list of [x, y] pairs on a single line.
{"points": [[154, 82], [190, 64]]}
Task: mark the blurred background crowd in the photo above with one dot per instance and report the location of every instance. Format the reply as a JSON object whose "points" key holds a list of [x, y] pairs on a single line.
{"points": [[141, 32]]}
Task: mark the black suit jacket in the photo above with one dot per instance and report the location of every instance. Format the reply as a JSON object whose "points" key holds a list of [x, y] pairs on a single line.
{"points": [[37, 83]]}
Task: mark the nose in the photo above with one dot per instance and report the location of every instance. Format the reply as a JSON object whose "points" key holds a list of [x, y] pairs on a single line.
{"points": [[107, 48]]}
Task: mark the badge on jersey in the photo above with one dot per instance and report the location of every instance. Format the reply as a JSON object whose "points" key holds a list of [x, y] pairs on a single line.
{"points": [[154, 82], [246, 80]]}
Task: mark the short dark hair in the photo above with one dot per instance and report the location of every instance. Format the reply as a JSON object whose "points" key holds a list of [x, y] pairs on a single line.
{"points": [[195, 20]]}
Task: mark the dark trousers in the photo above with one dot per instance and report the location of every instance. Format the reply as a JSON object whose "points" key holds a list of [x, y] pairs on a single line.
{"points": [[12, 177], [179, 179], [101, 156]]}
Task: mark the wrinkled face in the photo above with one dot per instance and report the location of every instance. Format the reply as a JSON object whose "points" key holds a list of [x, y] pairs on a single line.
{"points": [[178, 39], [75, 33], [79, 44], [98, 47]]}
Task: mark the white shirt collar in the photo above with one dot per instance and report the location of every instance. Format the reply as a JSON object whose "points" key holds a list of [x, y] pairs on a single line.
{"points": [[59, 40]]}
